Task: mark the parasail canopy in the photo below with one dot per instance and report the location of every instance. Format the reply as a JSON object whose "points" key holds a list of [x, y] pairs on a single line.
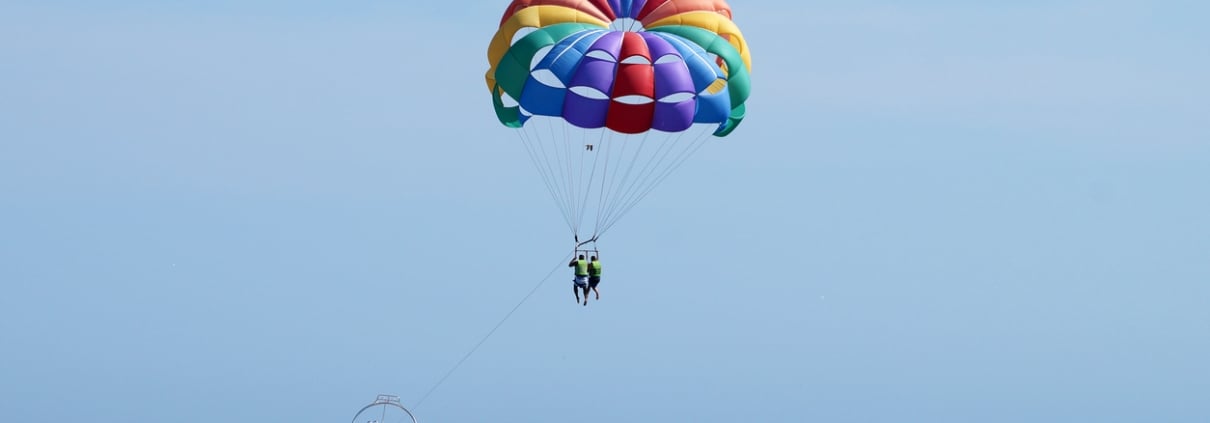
{"points": [[611, 96]]}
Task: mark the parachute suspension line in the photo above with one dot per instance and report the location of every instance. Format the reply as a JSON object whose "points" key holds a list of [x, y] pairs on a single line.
{"points": [[618, 191], [684, 156], [568, 151], [607, 150], [562, 262], [555, 180], [568, 159], [651, 164], [554, 156], [571, 170], [681, 158], [614, 180], [567, 171], [645, 178], [550, 159], [617, 182], [533, 143], [591, 176], [581, 144], [540, 166]]}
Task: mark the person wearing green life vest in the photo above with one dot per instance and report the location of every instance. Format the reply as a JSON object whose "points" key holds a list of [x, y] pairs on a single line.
{"points": [[594, 277], [581, 280]]}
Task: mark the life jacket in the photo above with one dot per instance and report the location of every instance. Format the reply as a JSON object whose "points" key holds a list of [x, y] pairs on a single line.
{"points": [[581, 267], [595, 269]]}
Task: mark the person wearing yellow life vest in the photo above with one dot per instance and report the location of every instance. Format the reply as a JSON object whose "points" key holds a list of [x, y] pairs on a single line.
{"points": [[594, 277], [581, 280]]}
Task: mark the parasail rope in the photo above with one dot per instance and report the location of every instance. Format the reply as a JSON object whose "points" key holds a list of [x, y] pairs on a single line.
{"points": [[562, 263]]}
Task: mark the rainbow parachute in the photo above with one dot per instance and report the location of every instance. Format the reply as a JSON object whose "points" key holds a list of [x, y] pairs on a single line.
{"points": [[623, 67]]}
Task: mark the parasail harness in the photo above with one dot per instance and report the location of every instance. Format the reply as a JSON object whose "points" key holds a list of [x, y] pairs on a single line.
{"points": [[593, 251]]}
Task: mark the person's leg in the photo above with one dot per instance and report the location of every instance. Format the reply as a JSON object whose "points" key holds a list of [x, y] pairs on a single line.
{"points": [[575, 289], [583, 283]]}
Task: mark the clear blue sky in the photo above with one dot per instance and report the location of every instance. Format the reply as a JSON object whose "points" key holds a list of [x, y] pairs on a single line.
{"points": [[936, 212]]}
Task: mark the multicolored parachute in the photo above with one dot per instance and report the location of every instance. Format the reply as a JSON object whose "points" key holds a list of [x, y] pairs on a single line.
{"points": [[624, 68]]}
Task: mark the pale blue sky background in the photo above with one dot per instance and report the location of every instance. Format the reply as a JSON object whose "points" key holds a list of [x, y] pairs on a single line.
{"points": [[936, 212]]}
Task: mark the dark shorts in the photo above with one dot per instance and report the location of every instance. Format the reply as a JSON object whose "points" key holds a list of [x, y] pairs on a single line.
{"points": [[593, 281]]}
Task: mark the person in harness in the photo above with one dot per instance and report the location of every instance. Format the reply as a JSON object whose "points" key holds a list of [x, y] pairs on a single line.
{"points": [[581, 279], [594, 278]]}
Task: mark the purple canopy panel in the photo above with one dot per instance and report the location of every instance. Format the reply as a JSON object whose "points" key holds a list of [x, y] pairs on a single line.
{"points": [[587, 102], [674, 90], [674, 117], [636, 6], [671, 77]]}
